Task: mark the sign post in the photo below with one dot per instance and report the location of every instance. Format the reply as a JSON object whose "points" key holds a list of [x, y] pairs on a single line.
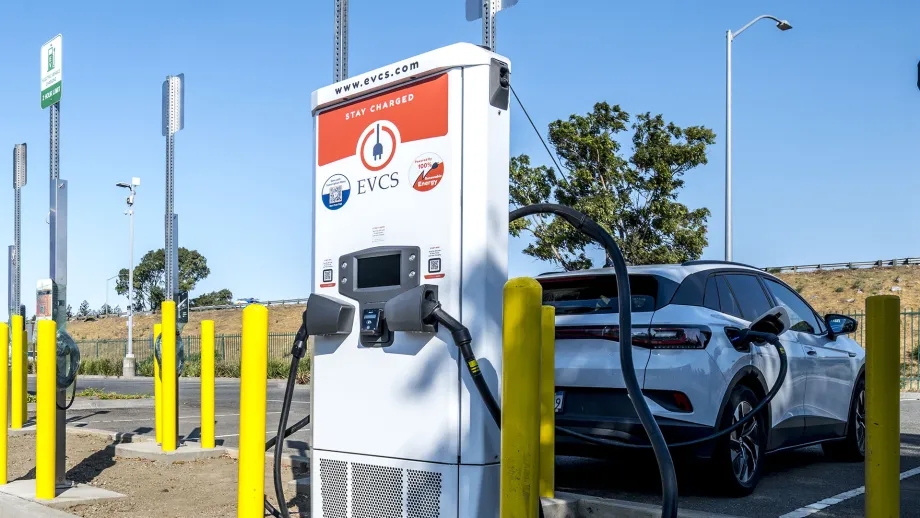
{"points": [[487, 9], [19, 181], [51, 66], [173, 121]]}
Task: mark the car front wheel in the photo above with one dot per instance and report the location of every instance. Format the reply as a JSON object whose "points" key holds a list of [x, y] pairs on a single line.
{"points": [[739, 457], [853, 447]]}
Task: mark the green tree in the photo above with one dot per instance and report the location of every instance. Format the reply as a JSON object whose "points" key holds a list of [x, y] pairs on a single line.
{"points": [[632, 194], [84, 309], [150, 277], [215, 298], [69, 311]]}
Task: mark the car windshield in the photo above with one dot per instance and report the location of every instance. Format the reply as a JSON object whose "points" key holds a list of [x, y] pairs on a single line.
{"points": [[597, 294]]}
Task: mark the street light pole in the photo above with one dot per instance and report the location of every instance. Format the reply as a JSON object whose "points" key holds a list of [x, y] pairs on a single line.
{"points": [[782, 25], [129, 363]]}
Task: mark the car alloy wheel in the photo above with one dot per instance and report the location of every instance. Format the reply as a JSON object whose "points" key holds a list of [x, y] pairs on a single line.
{"points": [[744, 444], [861, 421]]}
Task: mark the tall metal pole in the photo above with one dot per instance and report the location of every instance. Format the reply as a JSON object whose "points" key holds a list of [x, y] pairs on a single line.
{"points": [[58, 270], [173, 121], [728, 145], [489, 9], [131, 281], [19, 181], [341, 41]]}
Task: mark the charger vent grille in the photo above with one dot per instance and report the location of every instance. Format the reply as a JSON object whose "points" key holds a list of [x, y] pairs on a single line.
{"points": [[361, 490]]}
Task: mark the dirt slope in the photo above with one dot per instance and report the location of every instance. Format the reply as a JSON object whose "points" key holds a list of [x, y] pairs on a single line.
{"points": [[281, 319], [845, 291]]}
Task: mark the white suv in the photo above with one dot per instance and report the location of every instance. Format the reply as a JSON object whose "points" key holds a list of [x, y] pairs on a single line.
{"points": [[694, 379]]}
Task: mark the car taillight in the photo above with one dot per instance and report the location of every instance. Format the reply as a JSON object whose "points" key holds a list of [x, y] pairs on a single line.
{"points": [[674, 337], [656, 337]]}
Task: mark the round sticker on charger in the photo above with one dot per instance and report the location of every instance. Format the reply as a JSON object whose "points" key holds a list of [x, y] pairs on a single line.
{"points": [[428, 170], [335, 191]]}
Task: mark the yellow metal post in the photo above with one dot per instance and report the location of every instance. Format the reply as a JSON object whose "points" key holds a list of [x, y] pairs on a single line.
{"points": [[4, 393], [520, 440], [207, 383], [169, 378], [24, 360], [547, 404], [19, 392], [45, 416], [883, 440], [253, 394], [157, 390]]}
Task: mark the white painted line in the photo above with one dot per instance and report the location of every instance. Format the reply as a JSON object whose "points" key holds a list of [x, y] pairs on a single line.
{"points": [[836, 499]]}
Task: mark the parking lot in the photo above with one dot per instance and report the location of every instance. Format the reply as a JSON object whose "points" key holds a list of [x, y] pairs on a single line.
{"points": [[795, 484]]}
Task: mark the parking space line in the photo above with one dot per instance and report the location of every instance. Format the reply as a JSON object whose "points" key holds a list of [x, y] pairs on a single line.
{"points": [[836, 499]]}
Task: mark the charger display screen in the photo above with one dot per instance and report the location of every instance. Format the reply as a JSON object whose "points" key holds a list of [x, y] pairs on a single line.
{"points": [[378, 271]]}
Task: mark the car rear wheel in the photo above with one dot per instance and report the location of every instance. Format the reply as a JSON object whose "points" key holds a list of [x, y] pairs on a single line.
{"points": [[853, 447], [739, 457]]}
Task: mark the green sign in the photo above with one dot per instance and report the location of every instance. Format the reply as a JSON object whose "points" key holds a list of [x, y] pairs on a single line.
{"points": [[52, 65]]}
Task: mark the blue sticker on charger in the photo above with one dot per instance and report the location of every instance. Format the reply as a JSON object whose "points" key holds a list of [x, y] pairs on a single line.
{"points": [[335, 191]]}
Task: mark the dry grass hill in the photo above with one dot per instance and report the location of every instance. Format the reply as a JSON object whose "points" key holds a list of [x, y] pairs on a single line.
{"points": [[843, 291], [281, 319]]}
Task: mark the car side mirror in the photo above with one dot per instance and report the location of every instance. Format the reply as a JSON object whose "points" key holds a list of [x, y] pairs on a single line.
{"points": [[840, 324], [774, 321]]}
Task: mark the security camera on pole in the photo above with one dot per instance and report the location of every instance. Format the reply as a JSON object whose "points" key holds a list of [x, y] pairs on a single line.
{"points": [[128, 367]]}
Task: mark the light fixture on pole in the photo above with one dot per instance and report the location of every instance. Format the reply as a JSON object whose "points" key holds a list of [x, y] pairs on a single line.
{"points": [[129, 364], [782, 25], [107, 293]]}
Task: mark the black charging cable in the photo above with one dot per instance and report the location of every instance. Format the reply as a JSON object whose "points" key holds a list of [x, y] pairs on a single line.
{"points": [[298, 351], [589, 227]]}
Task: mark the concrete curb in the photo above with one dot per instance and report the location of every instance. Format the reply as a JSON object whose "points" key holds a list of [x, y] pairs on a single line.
{"points": [[570, 505], [105, 404], [15, 507], [182, 379]]}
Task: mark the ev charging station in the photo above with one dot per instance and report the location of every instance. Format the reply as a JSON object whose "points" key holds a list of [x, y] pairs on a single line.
{"points": [[411, 179]]}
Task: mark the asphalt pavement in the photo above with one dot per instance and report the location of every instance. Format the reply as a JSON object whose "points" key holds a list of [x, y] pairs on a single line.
{"points": [[795, 484]]}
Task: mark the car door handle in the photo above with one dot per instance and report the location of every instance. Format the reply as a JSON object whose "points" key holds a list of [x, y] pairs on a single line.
{"points": [[811, 352]]}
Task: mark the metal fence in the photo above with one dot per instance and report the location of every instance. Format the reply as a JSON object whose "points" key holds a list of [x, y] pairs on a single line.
{"points": [[226, 347], [909, 347]]}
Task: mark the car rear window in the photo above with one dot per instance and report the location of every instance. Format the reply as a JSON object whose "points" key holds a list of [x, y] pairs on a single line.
{"points": [[597, 294]]}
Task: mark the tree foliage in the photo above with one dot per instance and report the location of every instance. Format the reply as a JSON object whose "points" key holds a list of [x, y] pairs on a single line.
{"points": [[150, 277], [631, 193], [215, 298], [84, 309]]}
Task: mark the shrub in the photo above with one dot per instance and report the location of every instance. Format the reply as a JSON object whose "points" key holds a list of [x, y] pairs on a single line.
{"points": [[100, 367]]}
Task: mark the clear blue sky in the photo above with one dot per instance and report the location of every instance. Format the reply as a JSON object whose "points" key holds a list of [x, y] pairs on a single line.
{"points": [[826, 120]]}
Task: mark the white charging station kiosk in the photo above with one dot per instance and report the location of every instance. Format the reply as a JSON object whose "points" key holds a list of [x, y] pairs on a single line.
{"points": [[411, 187]]}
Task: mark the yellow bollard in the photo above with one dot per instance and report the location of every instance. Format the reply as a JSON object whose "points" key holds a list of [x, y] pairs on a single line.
{"points": [[25, 376], [207, 383], [168, 375], [157, 390], [45, 416], [547, 404], [253, 395], [18, 387], [520, 441], [4, 401], [883, 440]]}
